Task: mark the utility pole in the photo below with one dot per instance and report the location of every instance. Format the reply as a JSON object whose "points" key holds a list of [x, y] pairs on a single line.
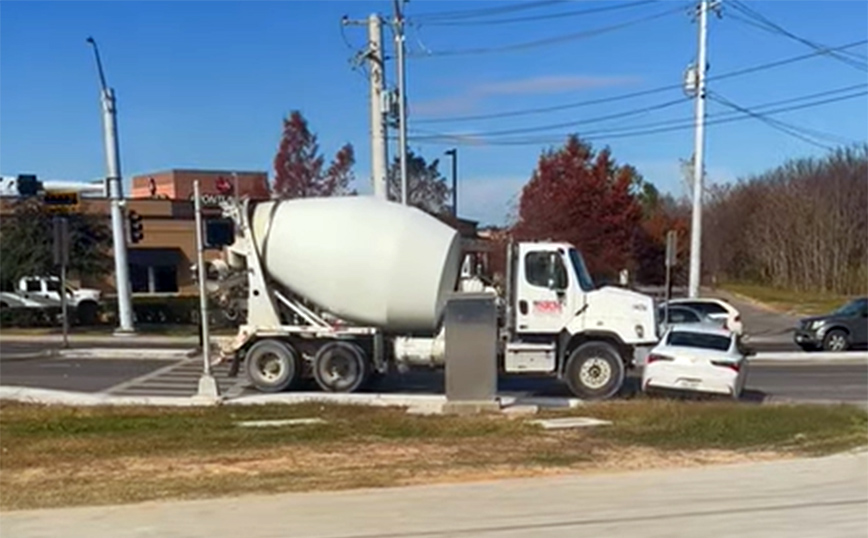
{"points": [[454, 154], [113, 169], [378, 119], [402, 97], [698, 155]]}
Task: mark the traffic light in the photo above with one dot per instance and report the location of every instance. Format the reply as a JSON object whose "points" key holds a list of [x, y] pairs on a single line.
{"points": [[137, 232], [219, 232], [28, 185]]}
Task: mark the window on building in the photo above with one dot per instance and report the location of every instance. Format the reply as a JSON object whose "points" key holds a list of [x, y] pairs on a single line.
{"points": [[153, 278]]}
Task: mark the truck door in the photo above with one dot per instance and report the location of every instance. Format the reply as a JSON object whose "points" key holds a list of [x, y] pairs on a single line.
{"points": [[543, 298]]}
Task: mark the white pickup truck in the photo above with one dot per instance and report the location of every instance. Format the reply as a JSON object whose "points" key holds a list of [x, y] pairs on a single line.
{"points": [[44, 292]]}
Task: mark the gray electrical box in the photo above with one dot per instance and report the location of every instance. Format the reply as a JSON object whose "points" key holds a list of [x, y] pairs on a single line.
{"points": [[471, 352]]}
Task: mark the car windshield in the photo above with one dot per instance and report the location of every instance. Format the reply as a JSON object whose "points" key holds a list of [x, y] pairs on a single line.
{"points": [[853, 308], [699, 340], [582, 273]]}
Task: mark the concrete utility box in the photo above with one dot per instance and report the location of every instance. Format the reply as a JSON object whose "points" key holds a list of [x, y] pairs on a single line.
{"points": [[471, 353]]}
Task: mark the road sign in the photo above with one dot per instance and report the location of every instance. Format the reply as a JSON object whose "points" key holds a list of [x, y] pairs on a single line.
{"points": [[60, 200], [61, 241], [671, 248]]}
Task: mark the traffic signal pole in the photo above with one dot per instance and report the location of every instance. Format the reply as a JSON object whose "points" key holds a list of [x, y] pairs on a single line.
{"points": [[113, 169]]}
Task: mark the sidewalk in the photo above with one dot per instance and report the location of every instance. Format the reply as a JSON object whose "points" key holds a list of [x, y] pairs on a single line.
{"points": [[793, 499]]}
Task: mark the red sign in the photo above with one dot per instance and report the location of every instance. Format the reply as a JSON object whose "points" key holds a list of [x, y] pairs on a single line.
{"points": [[223, 186], [547, 308]]}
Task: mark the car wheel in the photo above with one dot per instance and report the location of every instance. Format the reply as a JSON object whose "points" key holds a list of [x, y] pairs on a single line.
{"points": [[595, 371], [272, 365], [341, 367], [836, 340]]}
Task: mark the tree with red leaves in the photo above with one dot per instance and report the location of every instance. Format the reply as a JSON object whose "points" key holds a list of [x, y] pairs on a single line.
{"points": [[299, 166], [426, 185], [583, 197]]}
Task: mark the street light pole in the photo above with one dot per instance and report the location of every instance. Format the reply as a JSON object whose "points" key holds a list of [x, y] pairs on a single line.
{"points": [[402, 99], [113, 169], [454, 154]]}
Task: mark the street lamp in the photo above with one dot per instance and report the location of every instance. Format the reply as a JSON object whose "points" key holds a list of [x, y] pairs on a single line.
{"points": [[454, 154], [113, 168]]}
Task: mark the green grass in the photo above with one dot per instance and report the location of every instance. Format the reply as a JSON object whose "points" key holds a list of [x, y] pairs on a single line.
{"points": [[56, 456], [796, 302]]}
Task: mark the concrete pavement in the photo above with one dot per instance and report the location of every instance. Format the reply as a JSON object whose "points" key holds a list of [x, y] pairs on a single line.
{"points": [[802, 498]]}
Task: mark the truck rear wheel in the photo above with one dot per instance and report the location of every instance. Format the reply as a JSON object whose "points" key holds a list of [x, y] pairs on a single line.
{"points": [[595, 371], [341, 367], [272, 365]]}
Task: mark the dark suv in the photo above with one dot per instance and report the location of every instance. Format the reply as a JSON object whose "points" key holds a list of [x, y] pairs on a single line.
{"points": [[843, 329]]}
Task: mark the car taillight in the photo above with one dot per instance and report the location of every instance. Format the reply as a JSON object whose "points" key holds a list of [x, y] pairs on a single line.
{"points": [[654, 358], [734, 366]]}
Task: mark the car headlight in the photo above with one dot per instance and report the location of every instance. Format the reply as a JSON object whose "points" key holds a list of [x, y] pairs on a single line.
{"points": [[816, 324]]}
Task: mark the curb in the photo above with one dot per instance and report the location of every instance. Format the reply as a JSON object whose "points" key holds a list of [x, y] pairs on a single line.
{"points": [[431, 402], [126, 354], [840, 357]]}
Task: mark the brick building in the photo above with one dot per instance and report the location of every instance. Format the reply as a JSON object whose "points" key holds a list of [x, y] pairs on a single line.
{"points": [[160, 264]]}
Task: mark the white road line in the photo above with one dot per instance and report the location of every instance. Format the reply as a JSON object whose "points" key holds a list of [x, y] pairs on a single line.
{"points": [[143, 378]]}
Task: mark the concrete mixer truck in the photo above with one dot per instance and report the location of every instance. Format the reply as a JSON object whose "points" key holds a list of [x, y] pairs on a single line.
{"points": [[341, 289]]}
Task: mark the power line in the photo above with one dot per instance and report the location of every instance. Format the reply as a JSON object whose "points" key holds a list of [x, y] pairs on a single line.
{"points": [[689, 120], [548, 41], [801, 133], [547, 16], [659, 89], [674, 126], [483, 12], [628, 113], [760, 21]]}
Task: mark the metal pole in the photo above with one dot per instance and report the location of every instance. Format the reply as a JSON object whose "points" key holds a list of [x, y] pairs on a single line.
{"points": [[203, 297], [113, 171], [698, 164], [402, 100], [378, 124], [63, 305], [454, 154]]}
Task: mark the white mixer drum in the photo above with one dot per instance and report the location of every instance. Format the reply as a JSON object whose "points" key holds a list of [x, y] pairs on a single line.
{"points": [[366, 260]]}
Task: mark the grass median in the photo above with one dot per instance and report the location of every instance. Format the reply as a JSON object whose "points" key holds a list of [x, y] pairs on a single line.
{"points": [[60, 456], [800, 303]]}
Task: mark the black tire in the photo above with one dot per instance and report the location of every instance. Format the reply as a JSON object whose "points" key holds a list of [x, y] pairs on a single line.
{"points": [[87, 313], [341, 367], [836, 340], [272, 366], [595, 371]]}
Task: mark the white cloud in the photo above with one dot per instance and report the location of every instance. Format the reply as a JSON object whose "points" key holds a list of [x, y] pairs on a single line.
{"points": [[470, 98], [488, 200]]}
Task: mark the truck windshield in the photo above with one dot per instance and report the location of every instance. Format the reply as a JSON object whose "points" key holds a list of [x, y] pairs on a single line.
{"points": [[585, 281]]}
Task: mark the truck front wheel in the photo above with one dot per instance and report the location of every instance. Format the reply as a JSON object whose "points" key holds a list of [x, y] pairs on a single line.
{"points": [[272, 366], [595, 371], [341, 367]]}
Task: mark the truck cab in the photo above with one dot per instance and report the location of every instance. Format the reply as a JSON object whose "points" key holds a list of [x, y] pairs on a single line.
{"points": [[560, 322], [44, 291]]}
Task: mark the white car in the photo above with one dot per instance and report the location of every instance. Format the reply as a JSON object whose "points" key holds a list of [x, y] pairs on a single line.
{"points": [[703, 358], [716, 309]]}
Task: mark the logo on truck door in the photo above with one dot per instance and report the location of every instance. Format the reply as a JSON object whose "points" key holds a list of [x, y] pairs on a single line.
{"points": [[547, 308]]}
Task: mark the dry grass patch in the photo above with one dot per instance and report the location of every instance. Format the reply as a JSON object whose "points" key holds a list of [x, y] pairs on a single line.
{"points": [[56, 456]]}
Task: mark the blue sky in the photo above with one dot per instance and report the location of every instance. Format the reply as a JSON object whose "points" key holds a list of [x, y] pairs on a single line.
{"points": [[205, 84]]}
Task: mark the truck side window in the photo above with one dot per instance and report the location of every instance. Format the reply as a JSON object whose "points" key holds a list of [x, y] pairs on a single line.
{"points": [[53, 285], [538, 269], [34, 286]]}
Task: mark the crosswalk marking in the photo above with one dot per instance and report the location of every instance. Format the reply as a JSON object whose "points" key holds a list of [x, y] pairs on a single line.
{"points": [[179, 379]]}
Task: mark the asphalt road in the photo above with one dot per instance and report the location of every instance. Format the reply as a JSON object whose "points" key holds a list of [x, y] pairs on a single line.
{"points": [[793, 499], [815, 381]]}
